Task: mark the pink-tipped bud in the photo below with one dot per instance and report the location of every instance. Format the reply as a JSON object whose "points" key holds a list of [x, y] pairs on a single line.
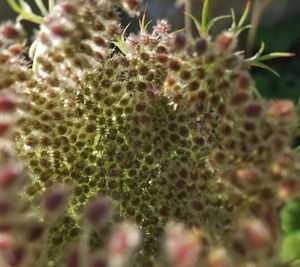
{"points": [[7, 104], [281, 110], [14, 256], [56, 200], [59, 31], [123, 242], [8, 177], [162, 26], [287, 189], [68, 8], [6, 241], [4, 126], [200, 46], [224, 41], [247, 175], [256, 234], [4, 207], [10, 32], [179, 41], [132, 41], [182, 246], [16, 49], [72, 258], [35, 231], [97, 212], [133, 6]]}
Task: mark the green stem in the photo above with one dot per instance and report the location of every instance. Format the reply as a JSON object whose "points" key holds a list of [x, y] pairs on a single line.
{"points": [[204, 17], [51, 4], [41, 7]]}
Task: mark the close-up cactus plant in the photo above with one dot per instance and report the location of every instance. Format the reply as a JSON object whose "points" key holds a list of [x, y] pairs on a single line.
{"points": [[152, 148]]}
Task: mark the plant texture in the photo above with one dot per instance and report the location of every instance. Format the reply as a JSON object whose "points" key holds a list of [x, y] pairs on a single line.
{"points": [[159, 153]]}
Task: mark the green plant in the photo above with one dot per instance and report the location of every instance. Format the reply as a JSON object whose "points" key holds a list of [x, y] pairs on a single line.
{"points": [[170, 131]]}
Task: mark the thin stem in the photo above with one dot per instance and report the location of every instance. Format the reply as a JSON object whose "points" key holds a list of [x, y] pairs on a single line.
{"points": [[24, 14], [187, 19], [41, 7], [51, 4], [32, 17], [258, 8], [204, 17]]}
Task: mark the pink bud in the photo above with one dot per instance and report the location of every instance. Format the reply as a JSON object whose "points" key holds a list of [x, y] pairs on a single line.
{"points": [[97, 212], [200, 47], [124, 240], [224, 41], [281, 111], [182, 246], [14, 256], [7, 177], [56, 199], [59, 30], [4, 207], [247, 175], [287, 189], [6, 104], [10, 32], [6, 240], [179, 41], [72, 258], [256, 234], [162, 26], [4, 127]]}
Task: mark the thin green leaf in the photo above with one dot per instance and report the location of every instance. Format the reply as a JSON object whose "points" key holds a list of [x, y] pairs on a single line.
{"points": [[275, 55], [213, 21], [21, 4], [259, 52], [41, 7], [245, 14], [121, 46], [245, 28], [121, 41], [181, 30], [25, 12], [51, 4], [142, 21], [233, 25], [124, 31], [30, 17], [261, 49], [264, 66], [204, 16], [14, 6], [197, 23]]}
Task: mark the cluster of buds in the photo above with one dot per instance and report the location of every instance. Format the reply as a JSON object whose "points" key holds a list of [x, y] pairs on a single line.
{"points": [[168, 130]]}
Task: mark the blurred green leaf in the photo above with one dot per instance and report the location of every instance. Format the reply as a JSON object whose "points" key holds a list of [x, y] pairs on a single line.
{"points": [[290, 217]]}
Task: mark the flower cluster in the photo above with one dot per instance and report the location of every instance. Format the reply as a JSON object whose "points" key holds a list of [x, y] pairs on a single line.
{"points": [[167, 142]]}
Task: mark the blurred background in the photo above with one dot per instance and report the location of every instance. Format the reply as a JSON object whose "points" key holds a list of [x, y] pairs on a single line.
{"points": [[278, 25]]}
